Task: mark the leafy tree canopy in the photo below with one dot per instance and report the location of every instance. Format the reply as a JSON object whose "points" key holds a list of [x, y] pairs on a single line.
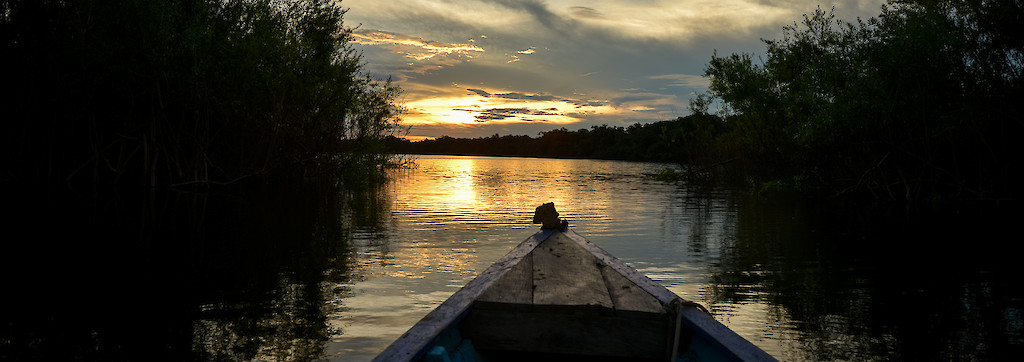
{"points": [[918, 104], [161, 92]]}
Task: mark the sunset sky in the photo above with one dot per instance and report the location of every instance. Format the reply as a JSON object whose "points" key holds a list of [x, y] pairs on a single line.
{"points": [[481, 67]]}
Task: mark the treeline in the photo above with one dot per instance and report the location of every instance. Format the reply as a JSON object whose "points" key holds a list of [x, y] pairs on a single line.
{"points": [[163, 93], [639, 142], [919, 105]]}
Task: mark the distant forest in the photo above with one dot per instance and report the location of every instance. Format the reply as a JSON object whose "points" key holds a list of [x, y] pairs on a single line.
{"points": [[657, 142], [919, 106]]}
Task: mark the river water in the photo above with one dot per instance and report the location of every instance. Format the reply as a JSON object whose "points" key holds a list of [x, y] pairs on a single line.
{"points": [[800, 283], [291, 273]]}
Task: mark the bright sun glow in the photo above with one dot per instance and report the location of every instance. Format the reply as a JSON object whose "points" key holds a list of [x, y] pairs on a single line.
{"points": [[475, 109], [451, 110]]}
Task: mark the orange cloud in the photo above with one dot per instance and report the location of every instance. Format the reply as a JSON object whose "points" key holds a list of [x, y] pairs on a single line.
{"points": [[476, 106], [413, 47]]}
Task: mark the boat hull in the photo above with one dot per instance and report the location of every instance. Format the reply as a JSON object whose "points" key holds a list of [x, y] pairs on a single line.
{"points": [[557, 296]]}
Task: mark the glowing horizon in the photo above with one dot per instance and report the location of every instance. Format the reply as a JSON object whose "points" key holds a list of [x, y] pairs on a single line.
{"points": [[482, 67], [498, 107]]}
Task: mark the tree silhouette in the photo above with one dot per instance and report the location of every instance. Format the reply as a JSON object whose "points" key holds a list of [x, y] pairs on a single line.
{"points": [[153, 93]]}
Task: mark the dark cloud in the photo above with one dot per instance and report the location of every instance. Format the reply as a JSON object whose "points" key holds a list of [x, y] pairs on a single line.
{"points": [[523, 96], [497, 114], [540, 12], [537, 98], [479, 92], [636, 98], [585, 12]]}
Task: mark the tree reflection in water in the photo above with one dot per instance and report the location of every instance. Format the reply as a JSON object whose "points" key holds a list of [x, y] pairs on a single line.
{"points": [[236, 274], [262, 275], [846, 286]]}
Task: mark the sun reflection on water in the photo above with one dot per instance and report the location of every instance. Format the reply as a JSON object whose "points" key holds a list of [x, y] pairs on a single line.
{"points": [[453, 216], [753, 263]]}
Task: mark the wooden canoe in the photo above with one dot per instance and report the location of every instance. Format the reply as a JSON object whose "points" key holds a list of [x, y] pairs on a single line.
{"points": [[557, 296]]}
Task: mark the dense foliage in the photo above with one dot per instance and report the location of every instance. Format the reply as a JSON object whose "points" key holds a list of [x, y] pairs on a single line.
{"points": [[117, 115], [151, 93], [666, 141], [919, 105], [597, 142]]}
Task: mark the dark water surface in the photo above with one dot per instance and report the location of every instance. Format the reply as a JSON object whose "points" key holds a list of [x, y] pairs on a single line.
{"points": [[802, 281], [295, 275]]}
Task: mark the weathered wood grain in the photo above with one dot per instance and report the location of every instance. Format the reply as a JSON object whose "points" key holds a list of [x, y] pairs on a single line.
{"points": [[559, 293], [516, 286], [659, 291], [413, 343], [565, 274], [626, 295]]}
